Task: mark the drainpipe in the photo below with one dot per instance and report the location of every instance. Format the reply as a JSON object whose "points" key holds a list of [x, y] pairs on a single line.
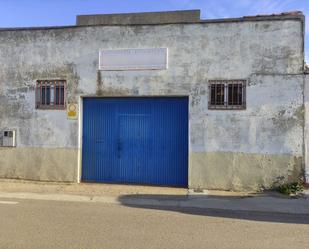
{"points": [[306, 105], [306, 128]]}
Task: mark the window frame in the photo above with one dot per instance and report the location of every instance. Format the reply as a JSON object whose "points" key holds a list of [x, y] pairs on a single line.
{"points": [[49, 103], [226, 105]]}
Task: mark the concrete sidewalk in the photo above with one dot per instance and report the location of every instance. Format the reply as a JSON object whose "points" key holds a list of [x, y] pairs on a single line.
{"points": [[142, 196]]}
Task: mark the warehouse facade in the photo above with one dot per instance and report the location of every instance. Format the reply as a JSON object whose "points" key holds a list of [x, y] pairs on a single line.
{"points": [[155, 98]]}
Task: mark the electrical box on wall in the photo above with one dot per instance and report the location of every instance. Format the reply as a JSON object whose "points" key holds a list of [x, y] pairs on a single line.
{"points": [[9, 138]]}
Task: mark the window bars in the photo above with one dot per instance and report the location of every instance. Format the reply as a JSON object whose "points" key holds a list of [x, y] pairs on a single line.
{"points": [[227, 94], [51, 94]]}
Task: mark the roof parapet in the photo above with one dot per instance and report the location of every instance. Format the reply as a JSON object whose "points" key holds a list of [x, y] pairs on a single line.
{"points": [[181, 16], [283, 14]]}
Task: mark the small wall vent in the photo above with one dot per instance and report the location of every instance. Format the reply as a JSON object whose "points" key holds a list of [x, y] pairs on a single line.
{"points": [[9, 138]]}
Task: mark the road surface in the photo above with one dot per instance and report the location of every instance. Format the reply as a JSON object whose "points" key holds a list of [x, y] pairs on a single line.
{"points": [[60, 224]]}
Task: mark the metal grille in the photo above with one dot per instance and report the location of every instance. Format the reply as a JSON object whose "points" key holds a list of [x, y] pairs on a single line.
{"points": [[50, 94], [217, 94], [227, 94]]}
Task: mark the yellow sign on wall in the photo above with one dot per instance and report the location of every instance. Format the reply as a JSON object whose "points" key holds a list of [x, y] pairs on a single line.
{"points": [[72, 111]]}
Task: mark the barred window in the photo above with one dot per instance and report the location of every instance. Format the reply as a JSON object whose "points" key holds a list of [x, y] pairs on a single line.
{"points": [[50, 94], [227, 94]]}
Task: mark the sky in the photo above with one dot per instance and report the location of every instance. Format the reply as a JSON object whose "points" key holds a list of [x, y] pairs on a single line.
{"points": [[28, 13]]}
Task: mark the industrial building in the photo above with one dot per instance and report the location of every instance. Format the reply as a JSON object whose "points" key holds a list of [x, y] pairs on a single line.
{"points": [[161, 98]]}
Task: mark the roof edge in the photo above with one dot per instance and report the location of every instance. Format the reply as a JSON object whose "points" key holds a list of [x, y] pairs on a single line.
{"points": [[292, 15], [295, 15]]}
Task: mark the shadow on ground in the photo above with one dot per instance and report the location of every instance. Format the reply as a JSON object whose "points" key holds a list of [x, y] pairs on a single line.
{"points": [[163, 202]]}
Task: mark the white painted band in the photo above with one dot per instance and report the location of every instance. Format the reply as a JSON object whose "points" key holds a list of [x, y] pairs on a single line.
{"points": [[9, 202]]}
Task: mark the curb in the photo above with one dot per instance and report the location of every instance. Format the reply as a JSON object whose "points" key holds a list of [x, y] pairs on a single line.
{"points": [[185, 202], [60, 197]]}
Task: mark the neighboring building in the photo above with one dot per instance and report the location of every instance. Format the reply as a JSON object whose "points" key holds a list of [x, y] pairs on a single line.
{"points": [[155, 98]]}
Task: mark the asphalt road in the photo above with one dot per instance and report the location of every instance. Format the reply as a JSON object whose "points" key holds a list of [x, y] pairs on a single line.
{"points": [[58, 224]]}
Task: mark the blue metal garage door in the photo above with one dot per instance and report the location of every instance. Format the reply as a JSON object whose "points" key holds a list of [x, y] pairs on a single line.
{"points": [[135, 140]]}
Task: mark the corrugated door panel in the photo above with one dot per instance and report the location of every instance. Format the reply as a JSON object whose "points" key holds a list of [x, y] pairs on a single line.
{"points": [[136, 140]]}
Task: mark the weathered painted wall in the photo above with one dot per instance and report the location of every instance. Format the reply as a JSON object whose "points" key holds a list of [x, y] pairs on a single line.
{"points": [[246, 149], [47, 164], [254, 148]]}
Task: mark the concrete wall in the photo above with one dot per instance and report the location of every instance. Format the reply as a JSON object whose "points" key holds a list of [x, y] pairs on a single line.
{"points": [[245, 149]]}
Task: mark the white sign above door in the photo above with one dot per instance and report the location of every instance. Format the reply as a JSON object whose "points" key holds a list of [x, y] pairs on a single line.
{"points": [[133, 59]]}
